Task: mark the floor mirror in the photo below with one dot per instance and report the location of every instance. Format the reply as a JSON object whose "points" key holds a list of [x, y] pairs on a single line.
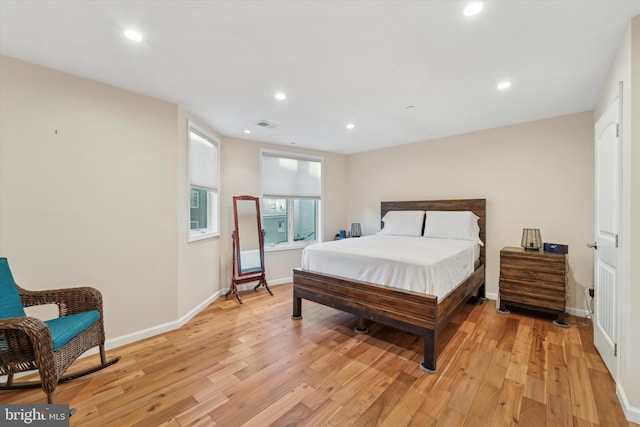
{"points": [[248, 245]]}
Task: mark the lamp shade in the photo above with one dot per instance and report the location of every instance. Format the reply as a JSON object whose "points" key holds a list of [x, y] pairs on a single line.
{"points": [[531, 240]]}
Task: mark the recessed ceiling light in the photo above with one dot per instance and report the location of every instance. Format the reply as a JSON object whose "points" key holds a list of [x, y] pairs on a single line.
{"points": [[350, 125], [280, 96], [132, 34], [504, 85], [247, 131], [473, 8]]}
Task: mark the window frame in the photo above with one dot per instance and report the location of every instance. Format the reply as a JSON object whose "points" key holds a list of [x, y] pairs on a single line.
{"points": [[213, 212], [291, 244]]}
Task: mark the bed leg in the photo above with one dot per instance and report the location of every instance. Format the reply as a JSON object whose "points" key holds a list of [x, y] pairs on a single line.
{"points": [[361, 328], [429, 364], [479, 298], [297, 307]]}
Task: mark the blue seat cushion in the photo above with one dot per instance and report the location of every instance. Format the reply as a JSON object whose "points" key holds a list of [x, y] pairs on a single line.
{"points": [[10, 302], [64, 329]]}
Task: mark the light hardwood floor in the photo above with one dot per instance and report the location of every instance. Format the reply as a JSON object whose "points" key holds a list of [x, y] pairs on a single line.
{"points": [[252, 365]]}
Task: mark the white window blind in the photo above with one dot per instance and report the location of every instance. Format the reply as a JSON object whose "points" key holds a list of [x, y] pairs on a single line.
{"points": [[286, 176], [203, 161]]}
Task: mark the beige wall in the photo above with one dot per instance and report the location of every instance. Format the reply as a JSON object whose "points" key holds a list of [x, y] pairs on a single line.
{"points": [[536, 174], [102, 202], [241, 176], [626, 69], [88, 192]]}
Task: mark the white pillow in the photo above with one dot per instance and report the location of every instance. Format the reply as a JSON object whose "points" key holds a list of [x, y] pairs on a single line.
{"points": [[403, 223], [459, 225]]}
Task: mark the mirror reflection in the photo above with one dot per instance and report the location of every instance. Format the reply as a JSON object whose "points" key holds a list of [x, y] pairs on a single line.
{"points": [[248, 245]]}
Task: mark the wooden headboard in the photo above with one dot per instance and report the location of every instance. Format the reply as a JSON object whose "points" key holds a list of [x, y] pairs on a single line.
{"points": [[477, 206]]}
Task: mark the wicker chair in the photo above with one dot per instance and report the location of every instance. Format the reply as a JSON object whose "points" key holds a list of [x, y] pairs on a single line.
{"points": [[28, 343]]}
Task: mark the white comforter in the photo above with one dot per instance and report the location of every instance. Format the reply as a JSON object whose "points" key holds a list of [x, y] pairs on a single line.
{"points": [[425, 265]]}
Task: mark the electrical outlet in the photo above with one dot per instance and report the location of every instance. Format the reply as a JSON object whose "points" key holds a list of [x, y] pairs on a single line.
{"points": [[591, 292]]}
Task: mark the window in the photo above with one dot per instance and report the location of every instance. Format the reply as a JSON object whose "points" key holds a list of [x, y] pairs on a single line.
{"points": [[203, 184], [291, 198]]}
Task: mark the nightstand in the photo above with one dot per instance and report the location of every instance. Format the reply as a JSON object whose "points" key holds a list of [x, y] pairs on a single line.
{"points": [[534, 280]]}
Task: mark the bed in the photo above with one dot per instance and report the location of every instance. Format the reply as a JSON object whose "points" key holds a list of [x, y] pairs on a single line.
{"points": [[410, 310]]}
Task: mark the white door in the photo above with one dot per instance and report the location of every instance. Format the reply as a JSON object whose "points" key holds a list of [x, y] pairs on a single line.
{"points": [[607, 221]]}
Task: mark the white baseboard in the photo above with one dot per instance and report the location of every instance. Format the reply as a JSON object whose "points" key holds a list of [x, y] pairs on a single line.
{"points": [[275, 282], [630, 412], [281, 281], [159, 329], [176, 324], [578, 312]]}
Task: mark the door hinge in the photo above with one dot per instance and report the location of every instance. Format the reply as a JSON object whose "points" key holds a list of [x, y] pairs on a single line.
{"points": [[615, 350], [617, 130], [617, 240]]}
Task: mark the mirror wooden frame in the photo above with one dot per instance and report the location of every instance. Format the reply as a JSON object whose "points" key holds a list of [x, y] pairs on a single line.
{"points": [[257, 273]]}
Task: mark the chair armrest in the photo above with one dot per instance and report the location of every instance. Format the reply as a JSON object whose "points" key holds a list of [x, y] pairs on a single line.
{"points": [[69, 300], [23, 339]]}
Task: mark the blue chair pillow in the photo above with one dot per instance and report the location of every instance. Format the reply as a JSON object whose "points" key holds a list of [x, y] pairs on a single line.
{"points": [[10, 302]]}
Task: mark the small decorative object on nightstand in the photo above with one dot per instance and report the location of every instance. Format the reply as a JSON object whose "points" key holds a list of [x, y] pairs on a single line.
{"points": [[531, 240], [534, 280]]}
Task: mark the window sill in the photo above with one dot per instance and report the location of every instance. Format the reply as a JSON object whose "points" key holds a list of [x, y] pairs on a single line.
{"points": [[201, 236], [295, 246]]}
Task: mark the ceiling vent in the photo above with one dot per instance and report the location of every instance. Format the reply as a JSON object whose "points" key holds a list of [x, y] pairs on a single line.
{"points": [[266, 124]]}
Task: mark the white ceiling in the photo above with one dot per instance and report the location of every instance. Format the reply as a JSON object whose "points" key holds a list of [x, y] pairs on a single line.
{"points": [[337, 61]]}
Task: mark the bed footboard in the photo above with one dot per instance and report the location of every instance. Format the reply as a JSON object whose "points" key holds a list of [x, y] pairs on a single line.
{"points": [[405, 310]]}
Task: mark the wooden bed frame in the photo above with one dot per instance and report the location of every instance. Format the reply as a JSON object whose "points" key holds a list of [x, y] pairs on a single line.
{"points": [[412, 312]]}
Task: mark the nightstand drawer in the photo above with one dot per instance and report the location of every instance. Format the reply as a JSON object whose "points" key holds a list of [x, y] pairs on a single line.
{"points": [[555, 265], [532, 301], [532, 275], [532, 284], [519, 291]]}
